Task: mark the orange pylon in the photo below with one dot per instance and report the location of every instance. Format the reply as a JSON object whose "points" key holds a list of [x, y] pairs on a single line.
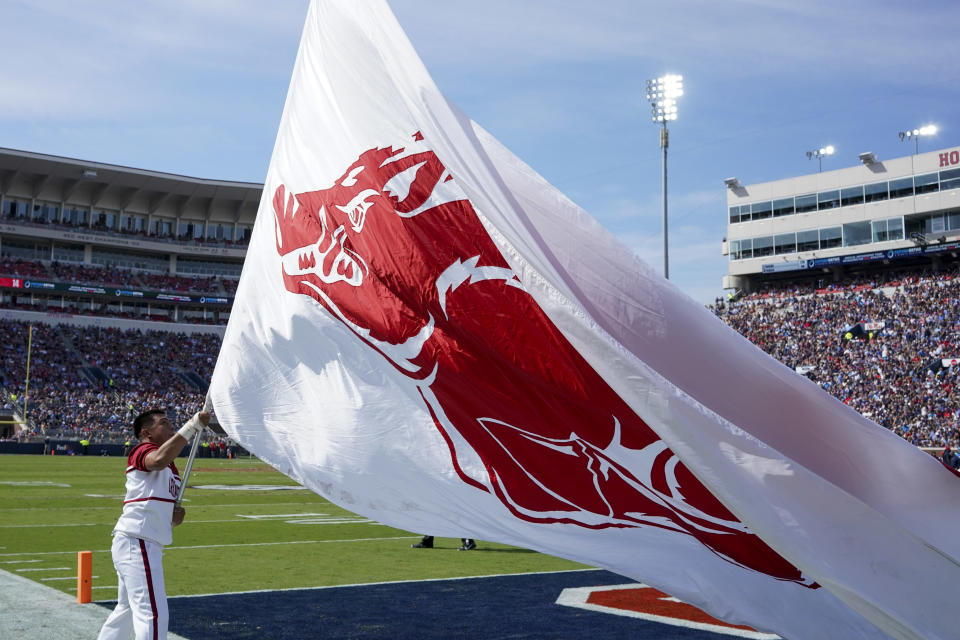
{"points": [[84, 576]]}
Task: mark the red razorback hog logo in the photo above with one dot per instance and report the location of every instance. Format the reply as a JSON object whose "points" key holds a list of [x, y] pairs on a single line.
{"points": [[395, 251]]}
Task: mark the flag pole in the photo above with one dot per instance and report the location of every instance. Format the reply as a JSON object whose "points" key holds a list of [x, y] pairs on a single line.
{"points": [[207, 406]]}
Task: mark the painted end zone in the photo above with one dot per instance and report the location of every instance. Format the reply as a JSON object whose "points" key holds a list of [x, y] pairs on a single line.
{"points": [[644, 602], [505, 607]]}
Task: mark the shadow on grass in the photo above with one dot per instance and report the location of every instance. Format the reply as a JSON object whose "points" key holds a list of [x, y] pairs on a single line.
{"points": [[496, 550]]}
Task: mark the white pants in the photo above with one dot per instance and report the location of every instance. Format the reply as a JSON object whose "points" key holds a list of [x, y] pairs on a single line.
{"points": [[141, 598]]}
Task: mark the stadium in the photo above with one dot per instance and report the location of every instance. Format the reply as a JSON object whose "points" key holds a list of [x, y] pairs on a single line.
{"points": [[104, 266], [850, 277], [430, 396], [107, 261]]}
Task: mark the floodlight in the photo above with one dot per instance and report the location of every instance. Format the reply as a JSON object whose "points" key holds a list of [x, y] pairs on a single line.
{"points": [[868, 157], [926, 130], [662, 93], [732, 183], [819, 153]]}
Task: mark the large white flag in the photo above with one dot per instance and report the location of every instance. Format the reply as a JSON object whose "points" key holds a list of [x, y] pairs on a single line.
{"points": [[428, 333]]}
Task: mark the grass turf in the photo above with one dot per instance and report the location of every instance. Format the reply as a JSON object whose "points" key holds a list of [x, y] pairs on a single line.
{"points": [[51, 507]]}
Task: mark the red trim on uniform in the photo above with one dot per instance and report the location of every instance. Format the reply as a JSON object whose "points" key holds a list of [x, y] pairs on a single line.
{"points": [[175, 474], [138, 453], [150, 498], [153, 600]]}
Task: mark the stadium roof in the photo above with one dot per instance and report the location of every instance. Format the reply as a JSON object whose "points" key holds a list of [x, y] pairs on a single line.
{"points": [[96, 184]]}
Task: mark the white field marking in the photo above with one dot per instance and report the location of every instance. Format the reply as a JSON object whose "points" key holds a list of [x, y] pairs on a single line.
{"points": [[17, 561], [373, 584], [249, 487], [44, 526], [576, 597], [270, 516], [206, 506], [308, 518], [332, 521], [43, 569], [272, 544], [220, 546], [65, 578], [105, 495], [32, 483]]}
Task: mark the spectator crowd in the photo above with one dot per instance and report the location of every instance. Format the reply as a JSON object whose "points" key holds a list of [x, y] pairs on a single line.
{"points": [[89, 383], [884, 345], [878, 346], [96, 275]]}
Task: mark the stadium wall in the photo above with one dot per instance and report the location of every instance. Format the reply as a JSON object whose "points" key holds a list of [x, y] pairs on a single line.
{"points": [[70, 448]]}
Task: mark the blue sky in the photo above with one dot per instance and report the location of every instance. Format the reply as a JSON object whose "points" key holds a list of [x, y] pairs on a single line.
{"points": [[197, 88]]}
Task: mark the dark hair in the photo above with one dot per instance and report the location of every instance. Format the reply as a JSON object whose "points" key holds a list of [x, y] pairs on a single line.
{"points": [[145, 419]]}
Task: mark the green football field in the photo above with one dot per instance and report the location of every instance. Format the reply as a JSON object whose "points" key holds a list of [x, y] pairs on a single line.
{"points": [[233, 539]]}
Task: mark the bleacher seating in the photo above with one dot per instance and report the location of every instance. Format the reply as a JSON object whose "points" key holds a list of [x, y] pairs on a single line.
{"points": [[22, 268], [895, 374], [140, 370], [900, 375], [111, 277], [87, 275]]}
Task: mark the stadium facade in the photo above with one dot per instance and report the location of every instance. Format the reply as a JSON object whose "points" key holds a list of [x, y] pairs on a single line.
{"points": [[879, 215], [82, 214]]}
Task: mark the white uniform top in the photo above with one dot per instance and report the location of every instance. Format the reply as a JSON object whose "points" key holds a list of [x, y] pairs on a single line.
{"points": [[148, 506]]}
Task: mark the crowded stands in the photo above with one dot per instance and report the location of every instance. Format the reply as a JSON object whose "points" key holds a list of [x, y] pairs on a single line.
{"points": [[87, 383], [22, 268], [114, 277], [84, 298], [883, 345]]}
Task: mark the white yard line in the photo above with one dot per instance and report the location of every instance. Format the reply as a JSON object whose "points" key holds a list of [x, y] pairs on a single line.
{"points": [[307, 520], [205, 506], [219, 546], [65, 578], [44, 526], [43, 569]]}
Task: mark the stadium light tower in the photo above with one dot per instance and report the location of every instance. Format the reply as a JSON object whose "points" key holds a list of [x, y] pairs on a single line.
{"points": [[927, 130], [819, 153], [662, 93]]}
